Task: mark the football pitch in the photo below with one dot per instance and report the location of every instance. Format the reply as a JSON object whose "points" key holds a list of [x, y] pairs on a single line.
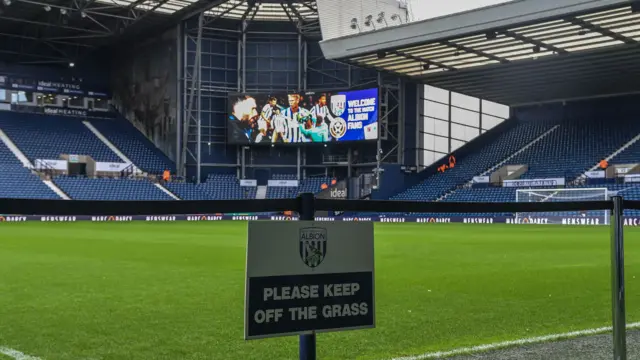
{"points": [[102, 291]]}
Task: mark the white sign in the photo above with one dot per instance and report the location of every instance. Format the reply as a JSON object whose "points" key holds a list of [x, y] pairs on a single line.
{"points": [[597, 174], [113, 167], [43, 164], [480, 179], [336, 193], [533, 182], [248, 182], [283, 183], [313, 276], [621, 171], [634, 178]]}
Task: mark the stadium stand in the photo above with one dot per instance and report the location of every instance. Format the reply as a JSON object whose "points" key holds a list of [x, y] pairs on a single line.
{"points": [[48, 136], [312, 185], [505, 144], [16, 181], [80, 188], [134, 145], [574, 147]]}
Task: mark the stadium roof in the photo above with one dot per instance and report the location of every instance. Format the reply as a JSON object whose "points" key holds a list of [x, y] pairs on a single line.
{"points": [[519, 52], [49, 31]]}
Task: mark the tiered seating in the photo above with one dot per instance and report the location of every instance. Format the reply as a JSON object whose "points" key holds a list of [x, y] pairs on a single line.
{"points": [[80, 188], [134, 145], [506, 144], [226, 187], [282, 192], [311, 184], [47, 136], [575, 147], [630, 155], [16, 181], [188, 191]]}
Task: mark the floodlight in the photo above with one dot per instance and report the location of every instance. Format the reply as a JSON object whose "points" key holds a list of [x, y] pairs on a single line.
{"points": [[381, 18], [6, 2], [47, 8]]}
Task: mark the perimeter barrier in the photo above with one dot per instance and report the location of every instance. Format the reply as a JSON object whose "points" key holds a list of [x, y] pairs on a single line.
{"points": [[306, 205]]}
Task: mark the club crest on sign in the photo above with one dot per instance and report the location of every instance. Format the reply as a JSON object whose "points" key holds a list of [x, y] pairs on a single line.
{"points": [[313, 245], [338, 104]]}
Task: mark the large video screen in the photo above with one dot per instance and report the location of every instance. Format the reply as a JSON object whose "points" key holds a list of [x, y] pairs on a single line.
{"points": [[298, 118]]}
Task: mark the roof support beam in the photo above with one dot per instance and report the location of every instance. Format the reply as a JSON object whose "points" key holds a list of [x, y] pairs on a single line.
{"points": [[421, 60], [534, 42], [599, 29], [473, 51]]}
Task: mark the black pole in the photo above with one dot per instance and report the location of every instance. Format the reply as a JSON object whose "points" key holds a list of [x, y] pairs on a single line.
{"points": [[617, 281], [306, 209]]}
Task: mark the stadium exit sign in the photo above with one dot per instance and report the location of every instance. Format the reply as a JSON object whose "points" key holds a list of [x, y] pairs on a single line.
{"points": [[308, 276]]}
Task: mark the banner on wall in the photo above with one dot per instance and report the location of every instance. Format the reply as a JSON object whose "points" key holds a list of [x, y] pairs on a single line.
{"points": [[533, 182], [44, 164], [283, 183], [111, 167], [480, 179], [557, 220], [61, 111], [597, 174], [51, 87], [298, 118], [248, 182], [633, 178]]}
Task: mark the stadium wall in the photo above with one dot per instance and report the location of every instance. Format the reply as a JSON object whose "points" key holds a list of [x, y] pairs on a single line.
{"points": [[609, 107], [554, 220], [90, 74], [144, 83]]}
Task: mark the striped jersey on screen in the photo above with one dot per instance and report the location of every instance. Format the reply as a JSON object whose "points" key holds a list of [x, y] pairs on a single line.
{"points": [[267, 111], [293, 134]]}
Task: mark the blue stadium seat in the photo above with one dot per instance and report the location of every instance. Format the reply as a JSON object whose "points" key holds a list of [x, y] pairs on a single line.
{"points": [[575, 147], [134, 145], [81, 188], [504, 145], [311, 184], [16, 181], [48, 136]]}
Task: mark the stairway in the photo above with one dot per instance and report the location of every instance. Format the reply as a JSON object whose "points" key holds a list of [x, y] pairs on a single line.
{"points": [[113, 148], [15, 150], [56, 189], [503, 162], [261, 192], [166, 191]]}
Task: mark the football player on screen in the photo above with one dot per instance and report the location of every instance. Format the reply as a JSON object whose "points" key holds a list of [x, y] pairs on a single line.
{"points": [[319, 132], [295, 115], [280, 127], [321, 111], [243, 119], [264, 121]]}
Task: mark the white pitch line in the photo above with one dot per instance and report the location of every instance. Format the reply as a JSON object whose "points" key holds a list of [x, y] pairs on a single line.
{"points": [[512, 343], [17, 355]]}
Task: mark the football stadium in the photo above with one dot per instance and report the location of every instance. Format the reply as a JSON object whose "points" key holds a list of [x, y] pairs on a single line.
{"points": [[319, 179]]}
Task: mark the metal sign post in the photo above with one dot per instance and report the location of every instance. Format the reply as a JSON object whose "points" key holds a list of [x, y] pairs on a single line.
{"points": [[305, 277], [307, 341], [617, 281]]}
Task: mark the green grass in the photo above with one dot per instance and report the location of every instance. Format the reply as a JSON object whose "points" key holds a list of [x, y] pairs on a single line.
{"points": [[71, 291]]}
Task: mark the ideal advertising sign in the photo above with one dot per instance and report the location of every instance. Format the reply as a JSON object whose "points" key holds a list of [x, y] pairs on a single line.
{"points": [[313, 276]]}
